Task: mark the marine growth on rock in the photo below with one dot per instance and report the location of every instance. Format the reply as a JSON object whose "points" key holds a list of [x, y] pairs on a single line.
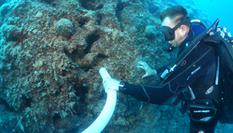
{"points": [[65, 27], [11, 32]]}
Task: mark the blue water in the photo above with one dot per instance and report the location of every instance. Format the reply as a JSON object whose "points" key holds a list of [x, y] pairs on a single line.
{"points": [[222, 9]]}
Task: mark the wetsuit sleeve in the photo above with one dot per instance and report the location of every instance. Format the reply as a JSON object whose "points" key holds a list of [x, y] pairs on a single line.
{"points": [[152, 94], [161, 69]]}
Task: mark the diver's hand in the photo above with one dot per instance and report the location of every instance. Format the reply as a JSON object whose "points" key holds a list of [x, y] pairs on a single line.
{"points": [[148, 70], [108, 81], [111, 84]]}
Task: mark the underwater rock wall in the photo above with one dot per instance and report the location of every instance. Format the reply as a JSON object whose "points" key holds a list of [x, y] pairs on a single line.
{"points": [[51, 51]]}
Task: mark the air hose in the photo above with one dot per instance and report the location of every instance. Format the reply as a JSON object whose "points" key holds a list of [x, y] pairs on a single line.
{"points": [[104, 117]]}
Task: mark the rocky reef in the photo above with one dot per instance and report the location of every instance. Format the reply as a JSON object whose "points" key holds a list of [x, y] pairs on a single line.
{"points": [[50, 54]]}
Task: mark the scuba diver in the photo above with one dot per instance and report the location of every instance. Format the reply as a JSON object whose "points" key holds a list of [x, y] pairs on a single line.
{"points": [[195, 78]]}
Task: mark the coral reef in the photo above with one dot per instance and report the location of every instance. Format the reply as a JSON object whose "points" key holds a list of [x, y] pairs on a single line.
{"points": [[11, 32], [65, 27], [49, 1], [50, 54]]}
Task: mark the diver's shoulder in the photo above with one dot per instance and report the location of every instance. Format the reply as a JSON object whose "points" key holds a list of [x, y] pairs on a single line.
{"points": [[214, 38]]}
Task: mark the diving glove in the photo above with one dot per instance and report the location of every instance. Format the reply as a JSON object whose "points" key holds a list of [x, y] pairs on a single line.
{"points": [[148, 70], [111, 84]]}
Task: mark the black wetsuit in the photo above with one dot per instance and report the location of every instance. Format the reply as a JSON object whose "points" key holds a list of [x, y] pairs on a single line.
{"points": [[196, 88]]}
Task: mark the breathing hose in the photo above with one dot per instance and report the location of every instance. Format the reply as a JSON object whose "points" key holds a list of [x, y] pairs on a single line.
{"points": [[104, 117]]}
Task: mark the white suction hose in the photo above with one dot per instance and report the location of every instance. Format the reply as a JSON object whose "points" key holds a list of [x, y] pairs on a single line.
{"points": [[99, 124]]}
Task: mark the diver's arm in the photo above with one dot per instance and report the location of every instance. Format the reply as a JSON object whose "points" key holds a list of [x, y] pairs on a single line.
{"points": [[152, 94], [161, 69]]}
